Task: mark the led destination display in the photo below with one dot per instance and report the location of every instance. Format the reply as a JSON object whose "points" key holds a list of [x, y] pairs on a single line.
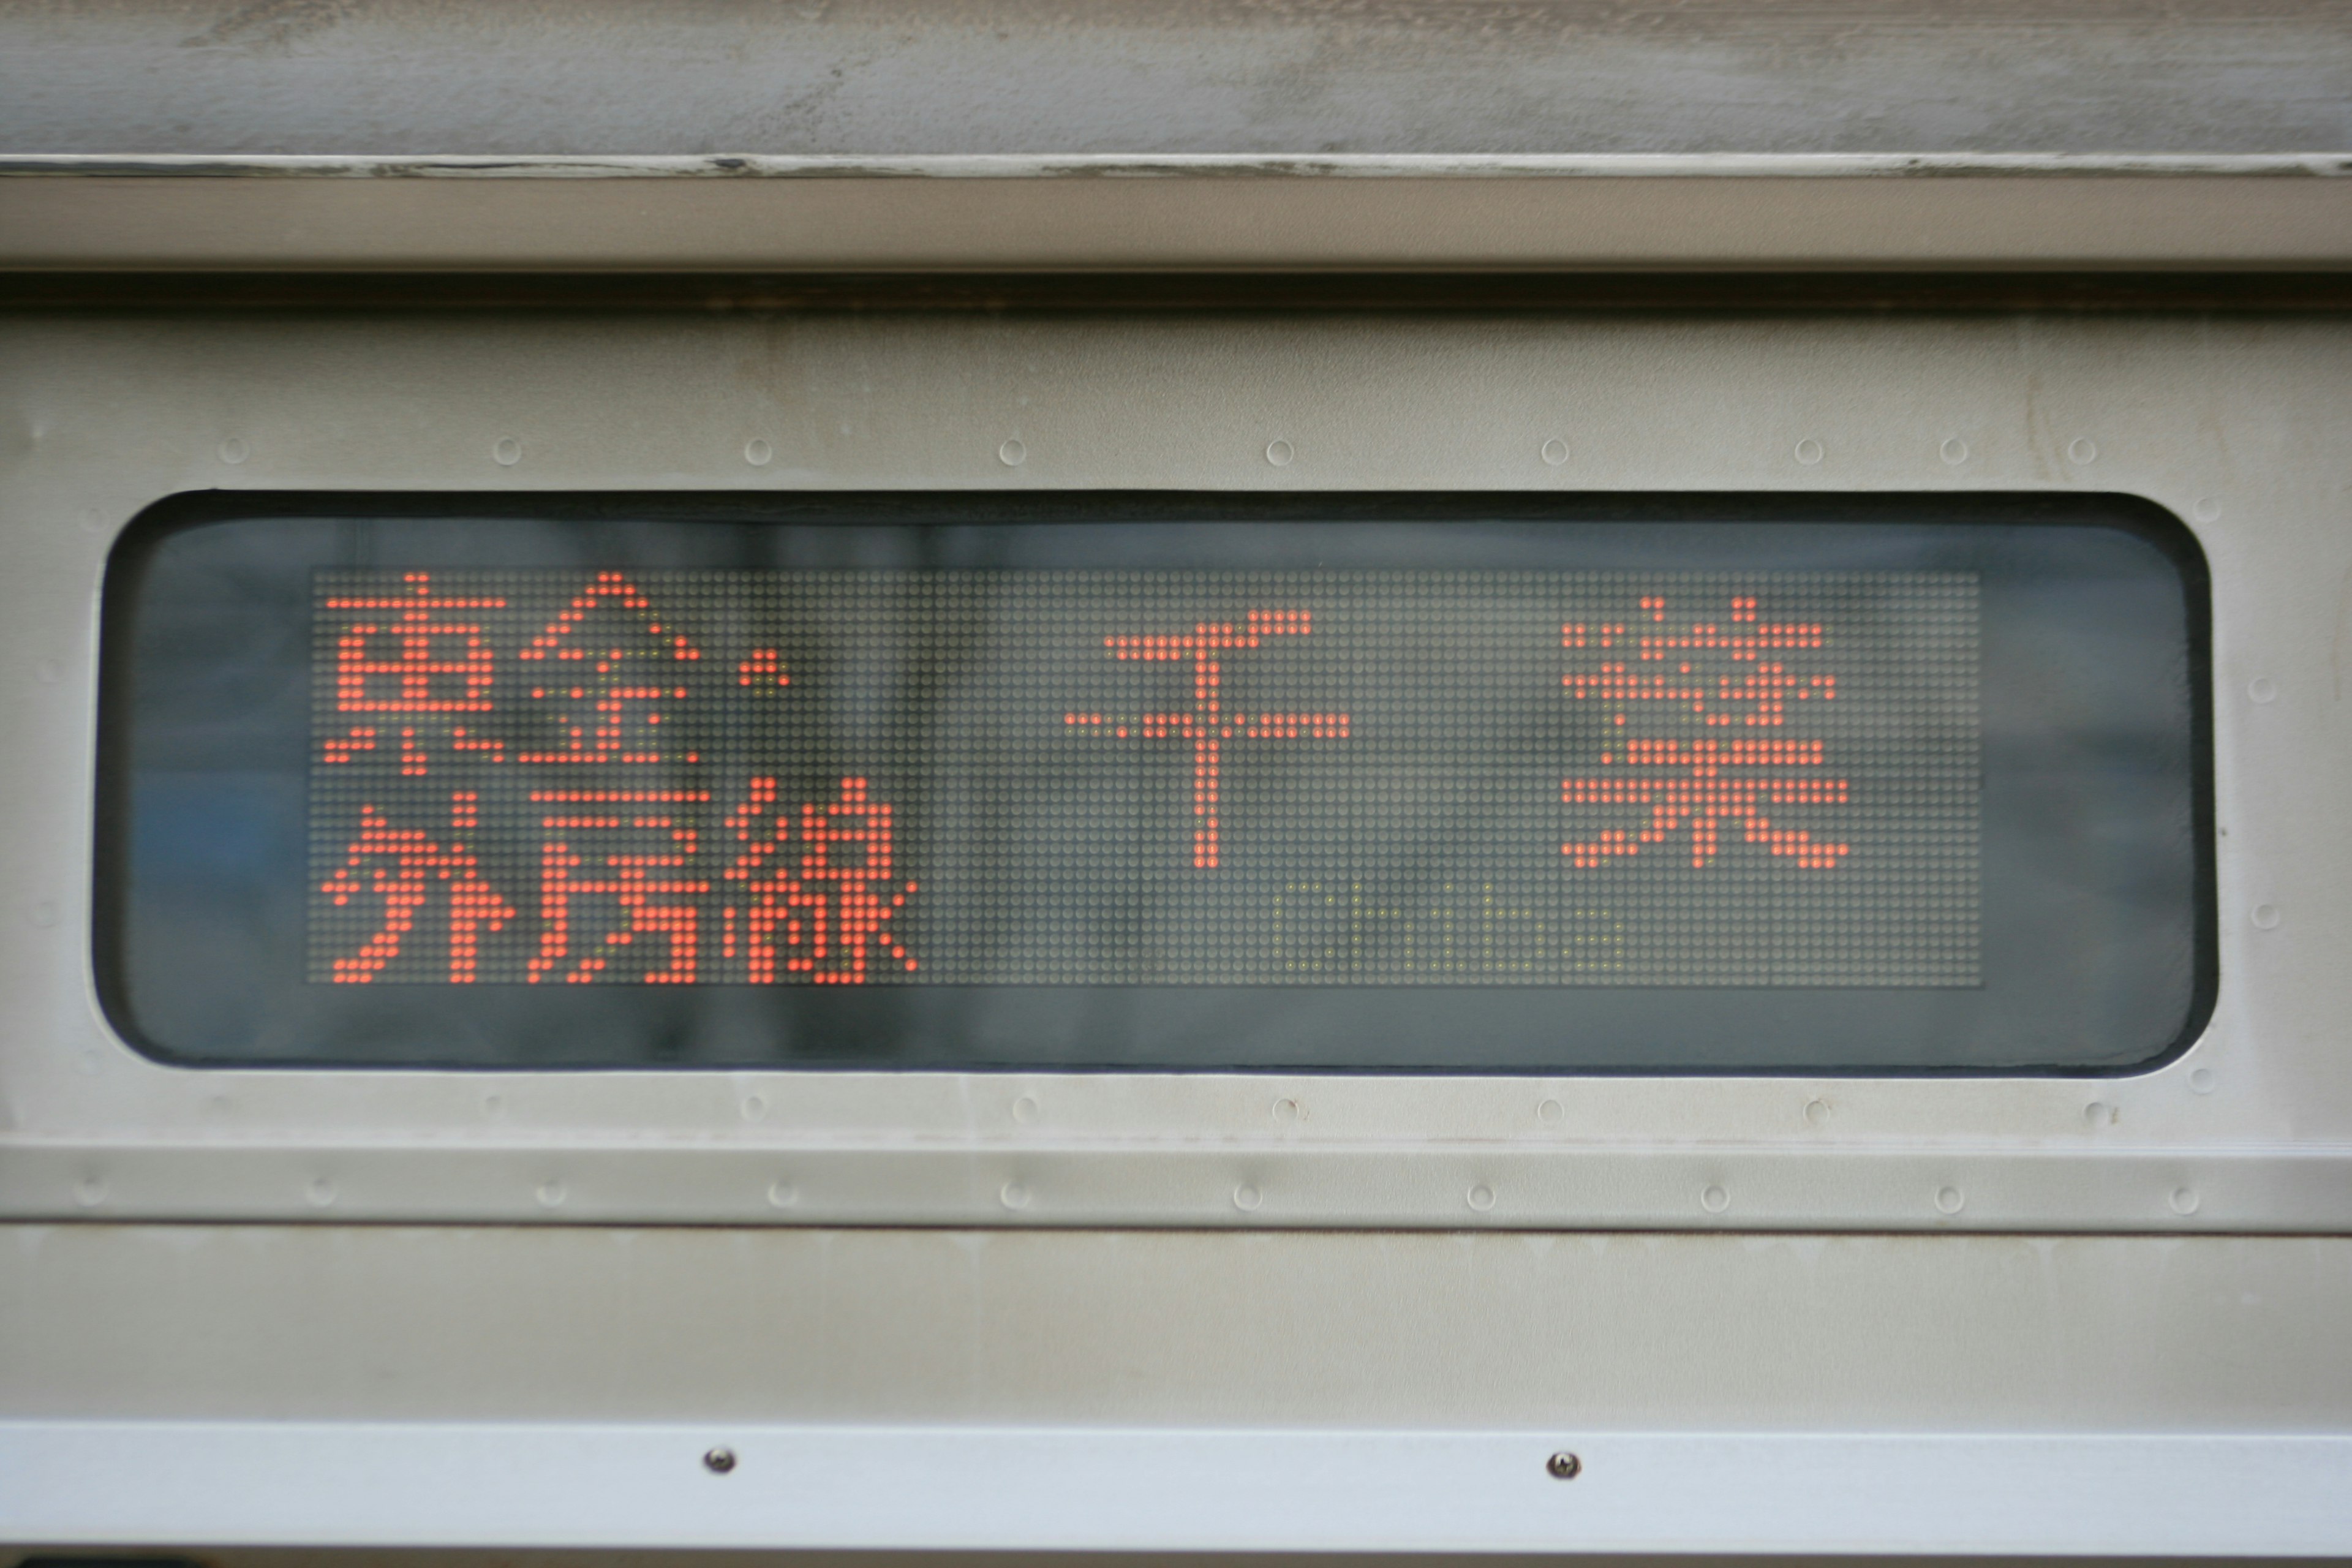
{"points": [[1170, 784], [661, 777]]}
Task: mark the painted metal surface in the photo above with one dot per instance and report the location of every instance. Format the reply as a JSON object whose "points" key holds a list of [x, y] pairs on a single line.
{"points": [[324, 1386], [718, 1327], [1047, 215], [2237, 427], [1123, 77], [1193, 165], [896, 135], [289, 1484]]}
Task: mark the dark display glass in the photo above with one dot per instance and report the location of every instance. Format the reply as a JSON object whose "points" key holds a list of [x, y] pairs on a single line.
{"points": [[1163, 783]]}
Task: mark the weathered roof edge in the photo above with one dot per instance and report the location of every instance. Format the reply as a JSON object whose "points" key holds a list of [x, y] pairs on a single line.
{"points": [[998, 166]]}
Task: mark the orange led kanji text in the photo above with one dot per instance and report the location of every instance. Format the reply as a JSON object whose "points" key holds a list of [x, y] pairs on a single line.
{"points": [[433, 664], [1207, 725], [402, 865], [826, 913], [641, 860], [1700, 783]]}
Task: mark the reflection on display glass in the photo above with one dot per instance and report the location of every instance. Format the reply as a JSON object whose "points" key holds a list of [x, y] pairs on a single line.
{"points": [[1179, 784]]}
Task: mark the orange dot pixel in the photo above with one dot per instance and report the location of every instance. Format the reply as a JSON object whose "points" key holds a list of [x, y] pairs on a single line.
{"points": [[1206, 724], [1698, 784]]}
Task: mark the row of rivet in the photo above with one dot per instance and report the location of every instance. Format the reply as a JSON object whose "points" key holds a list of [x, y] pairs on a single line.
{"points": [[506, 452], [91, 1191]]}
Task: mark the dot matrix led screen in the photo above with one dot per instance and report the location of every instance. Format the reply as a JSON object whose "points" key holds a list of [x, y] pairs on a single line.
{"points": [[1165, 782]]}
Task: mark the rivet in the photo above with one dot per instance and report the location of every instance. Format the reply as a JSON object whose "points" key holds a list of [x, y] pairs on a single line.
{"points": [[758, 453], [783, 1195], [1808, 451], [1817, 1112], [1246, 1199], [551, 1195], [1714, 1200], [1954, 451], [234, 451], [493, 1104], [1287, 1110], [718, 1461], [2201, 1081], [1014, 1196], [1948, 1199], [1555, 451], [1279, 454], [2184, 1200], [89, 1192], [2265, 916], [47, 671], [44, 914], [2098, 1113], [1551, 1111], [1025, 1108], [2083, 450], [507, 451], [1011, 454], [2208, 510], [1482, 1197], [322, 1194], [1563, 1466], [753, 1107], [2263, 689]]}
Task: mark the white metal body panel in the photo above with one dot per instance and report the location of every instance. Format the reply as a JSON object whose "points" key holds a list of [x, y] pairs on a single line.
{"points": [[1357, 1368], [375, 1386], [272, 1316], [997, 1490], [1445, 1331]]}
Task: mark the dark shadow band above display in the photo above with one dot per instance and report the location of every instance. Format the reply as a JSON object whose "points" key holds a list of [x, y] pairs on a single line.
{"points": [[1151, 782]]}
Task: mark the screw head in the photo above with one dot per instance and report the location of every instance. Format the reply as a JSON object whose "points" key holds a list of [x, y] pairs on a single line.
{"points": [[718, 1461], [1563, 1466]]}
